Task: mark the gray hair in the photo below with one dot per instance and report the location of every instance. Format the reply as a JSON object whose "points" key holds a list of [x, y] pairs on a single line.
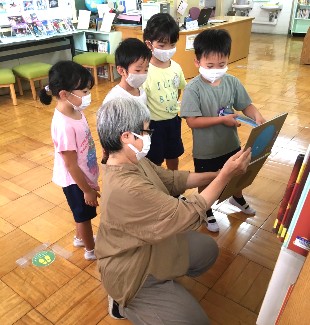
{"points": [[117, 116]]}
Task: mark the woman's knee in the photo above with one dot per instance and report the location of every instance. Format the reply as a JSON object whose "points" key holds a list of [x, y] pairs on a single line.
{"points": [[203, 252]]}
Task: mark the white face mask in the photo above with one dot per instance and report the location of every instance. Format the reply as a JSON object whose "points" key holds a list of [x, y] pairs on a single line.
{"points": [[164, 55], [212, 74], [135, 80], [86, 100], [146, 145]]}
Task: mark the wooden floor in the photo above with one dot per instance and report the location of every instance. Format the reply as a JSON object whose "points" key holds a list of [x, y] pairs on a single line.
{"points": [[33, 210]]}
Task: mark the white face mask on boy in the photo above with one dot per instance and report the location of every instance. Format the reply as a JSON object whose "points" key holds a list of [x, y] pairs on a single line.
{"points": [[164, 55], [212, 74], [86, 100], [146, 139], [136, 80]]}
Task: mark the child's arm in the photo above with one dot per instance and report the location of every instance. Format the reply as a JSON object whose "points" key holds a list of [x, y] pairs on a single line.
{"points": [[252, 112], [90, 195], [204, 122]]}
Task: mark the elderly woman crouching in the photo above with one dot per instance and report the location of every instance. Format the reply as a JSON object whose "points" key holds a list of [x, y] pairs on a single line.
{"points": [[146, 237]]}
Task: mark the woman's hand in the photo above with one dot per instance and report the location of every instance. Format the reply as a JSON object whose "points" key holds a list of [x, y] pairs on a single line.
{"points": [[237, 164]]}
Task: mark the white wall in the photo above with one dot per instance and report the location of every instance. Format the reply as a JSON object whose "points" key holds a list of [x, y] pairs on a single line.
{"points": [[283, 22]]}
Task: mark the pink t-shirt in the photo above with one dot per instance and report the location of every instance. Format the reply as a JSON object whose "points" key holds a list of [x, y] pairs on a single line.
{"points": [[73, 135]]}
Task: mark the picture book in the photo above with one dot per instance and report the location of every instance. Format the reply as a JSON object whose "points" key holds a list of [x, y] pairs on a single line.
{"points": [[19, 26], [49, 28], [261, 140], [37, 28]]}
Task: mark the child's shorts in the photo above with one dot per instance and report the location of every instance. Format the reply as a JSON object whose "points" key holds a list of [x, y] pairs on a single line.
{"points": [[166, 140], [214, 164], [75, 198]]}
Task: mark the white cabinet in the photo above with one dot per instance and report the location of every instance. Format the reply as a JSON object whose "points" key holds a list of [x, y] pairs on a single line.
{"points": [[301, 17], [113, 38]]}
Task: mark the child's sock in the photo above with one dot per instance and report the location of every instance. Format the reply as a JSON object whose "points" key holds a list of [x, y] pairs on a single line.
{"points": [[241, 204], [240, 200], [210, 216]]}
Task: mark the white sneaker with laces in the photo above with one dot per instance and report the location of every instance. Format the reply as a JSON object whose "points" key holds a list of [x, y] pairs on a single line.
{"points": [[90, 255], [244, 208], [77, 242]]}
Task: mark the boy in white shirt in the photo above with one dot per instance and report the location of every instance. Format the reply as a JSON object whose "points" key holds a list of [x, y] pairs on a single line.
{"points": [[132, 59]]}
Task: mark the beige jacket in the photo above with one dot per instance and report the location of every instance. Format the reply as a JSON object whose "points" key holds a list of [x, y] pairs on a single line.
{"points": [[142, 226]]}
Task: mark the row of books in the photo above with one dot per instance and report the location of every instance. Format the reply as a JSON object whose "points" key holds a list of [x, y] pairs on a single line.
{"points": [[94, 45], [31, 25], [303, 13]]}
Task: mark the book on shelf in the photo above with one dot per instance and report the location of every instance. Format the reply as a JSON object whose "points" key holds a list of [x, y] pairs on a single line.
{"points": [[19, 26], [37, 28], [49, 29]]}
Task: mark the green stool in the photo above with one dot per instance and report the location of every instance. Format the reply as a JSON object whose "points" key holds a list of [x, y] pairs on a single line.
{"points": [[92, 60], [31, 72], [7, 79], [111, 61]]}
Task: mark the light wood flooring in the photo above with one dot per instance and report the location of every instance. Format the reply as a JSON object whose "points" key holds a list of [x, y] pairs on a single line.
{"points": [[33, 210]]}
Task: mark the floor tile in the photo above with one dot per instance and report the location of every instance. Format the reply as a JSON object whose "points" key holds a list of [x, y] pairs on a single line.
{"points": [[69, 300], [15, 245], [25, 209], [50, 226], [263, 248], [12, 306], [35, 284]]}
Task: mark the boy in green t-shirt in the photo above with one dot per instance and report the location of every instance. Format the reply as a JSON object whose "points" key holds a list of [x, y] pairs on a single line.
{"points": [[205, 99], [164, 80]]}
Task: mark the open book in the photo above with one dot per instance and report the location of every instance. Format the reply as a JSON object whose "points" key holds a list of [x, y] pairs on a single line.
{"points": [[261, 140]]}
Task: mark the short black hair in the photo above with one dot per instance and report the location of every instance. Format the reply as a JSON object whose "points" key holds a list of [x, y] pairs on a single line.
{"points": [[161, 27], [217, 41], [131, 50], [66, 75]]}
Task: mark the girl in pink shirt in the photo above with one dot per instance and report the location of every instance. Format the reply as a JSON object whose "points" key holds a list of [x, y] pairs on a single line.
{"points": [[75, 164]]}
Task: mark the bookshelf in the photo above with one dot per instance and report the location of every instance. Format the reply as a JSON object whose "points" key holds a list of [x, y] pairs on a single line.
{"points": [[301, 17], [81, 40]]}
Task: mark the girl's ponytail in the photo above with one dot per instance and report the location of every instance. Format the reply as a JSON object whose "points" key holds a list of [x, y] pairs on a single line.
{"points": [[45, 98]]}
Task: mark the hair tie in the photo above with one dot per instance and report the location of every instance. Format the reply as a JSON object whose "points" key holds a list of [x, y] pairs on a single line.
{"points": [[47, 88]]}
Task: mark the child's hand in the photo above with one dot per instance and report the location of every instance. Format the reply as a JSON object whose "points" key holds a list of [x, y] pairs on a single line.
{"points": [[91, 198], [230, 120], [259, 120]]}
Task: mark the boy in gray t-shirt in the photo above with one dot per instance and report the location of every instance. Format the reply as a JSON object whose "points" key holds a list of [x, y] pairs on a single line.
{"points": [[205, 99]]}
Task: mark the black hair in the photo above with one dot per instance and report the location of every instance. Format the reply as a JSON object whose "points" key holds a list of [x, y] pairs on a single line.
{"points": [[161, 27], [65, 75], [130, 51], [217, 41]]}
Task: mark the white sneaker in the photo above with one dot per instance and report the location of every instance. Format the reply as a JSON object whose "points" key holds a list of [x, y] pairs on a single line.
{"points": [[244, 208], [90, 255], [212, 224], [77, 242], [114, 309]]}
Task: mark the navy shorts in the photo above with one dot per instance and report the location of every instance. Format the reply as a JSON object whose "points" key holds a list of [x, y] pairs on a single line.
{"points": [[75, 198], [166, 140], [214, 164]]}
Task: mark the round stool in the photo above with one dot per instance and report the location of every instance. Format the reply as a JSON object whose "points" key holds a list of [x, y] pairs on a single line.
{"points": [[31, 72], [111, 62], [92, 60], [7, 79]]}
